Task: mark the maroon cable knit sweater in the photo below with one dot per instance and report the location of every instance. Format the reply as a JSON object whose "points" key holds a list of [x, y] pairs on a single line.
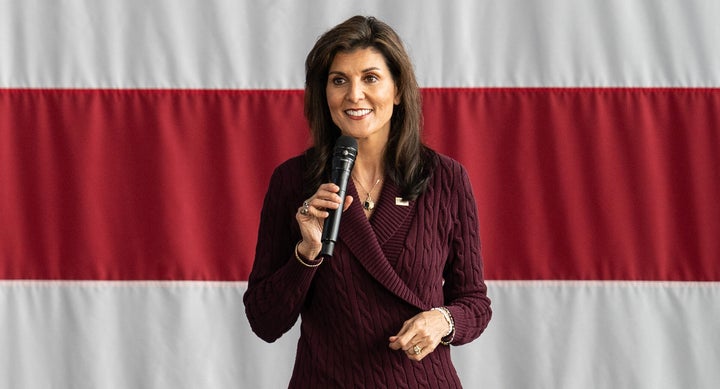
{"points": [[384, 271]]}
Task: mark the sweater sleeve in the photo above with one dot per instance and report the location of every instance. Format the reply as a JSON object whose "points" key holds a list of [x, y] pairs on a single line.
{"points": [[278, 284], [464, 289]]}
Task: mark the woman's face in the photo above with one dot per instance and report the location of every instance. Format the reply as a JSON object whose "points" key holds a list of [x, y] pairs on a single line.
{"points": [[361, 94]]}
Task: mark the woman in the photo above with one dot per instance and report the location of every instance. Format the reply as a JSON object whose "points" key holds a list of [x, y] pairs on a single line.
{"points": [[405, 280]]}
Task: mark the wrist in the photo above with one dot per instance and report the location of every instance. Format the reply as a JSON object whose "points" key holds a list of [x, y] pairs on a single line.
{"points": [[304, 260], [450, 335], [308, 250]]}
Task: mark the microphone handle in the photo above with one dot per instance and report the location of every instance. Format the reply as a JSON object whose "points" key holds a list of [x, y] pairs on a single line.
{"points": [[340, 176]]}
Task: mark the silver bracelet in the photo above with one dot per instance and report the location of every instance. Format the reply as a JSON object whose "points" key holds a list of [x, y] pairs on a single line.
{"points": [[448, 317]]}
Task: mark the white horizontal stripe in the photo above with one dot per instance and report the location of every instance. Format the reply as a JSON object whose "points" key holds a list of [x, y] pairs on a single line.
{"points": [[262, 45], [594, 334], [188, 334], [132, 335]]}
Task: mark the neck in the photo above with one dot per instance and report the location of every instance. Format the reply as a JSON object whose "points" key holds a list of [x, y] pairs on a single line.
{"points": [[368, 173], [369, 165]]}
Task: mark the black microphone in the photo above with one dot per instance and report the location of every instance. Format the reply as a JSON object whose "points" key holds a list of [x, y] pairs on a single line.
{"points": [[344, 154]]}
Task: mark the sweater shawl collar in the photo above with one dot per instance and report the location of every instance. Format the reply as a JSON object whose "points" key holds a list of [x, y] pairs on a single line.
{"points": [[365, 238]]}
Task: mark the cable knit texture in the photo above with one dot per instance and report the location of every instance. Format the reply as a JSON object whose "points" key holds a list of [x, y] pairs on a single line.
{"points": [[404, 260]]}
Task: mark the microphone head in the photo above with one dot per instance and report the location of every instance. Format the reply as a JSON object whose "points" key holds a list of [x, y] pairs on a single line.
{"points": [[345, 141], [344, 153]]}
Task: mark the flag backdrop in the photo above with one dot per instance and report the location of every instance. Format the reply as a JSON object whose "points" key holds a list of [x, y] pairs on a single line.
{"points": [[137, 139]]}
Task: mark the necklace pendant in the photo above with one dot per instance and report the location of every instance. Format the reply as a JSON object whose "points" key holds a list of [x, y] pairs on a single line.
{"points": [[369, 204]]}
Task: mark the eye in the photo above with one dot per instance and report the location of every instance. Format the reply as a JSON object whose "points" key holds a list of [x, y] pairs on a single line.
{"points": [[371, 78], [337, 80]]}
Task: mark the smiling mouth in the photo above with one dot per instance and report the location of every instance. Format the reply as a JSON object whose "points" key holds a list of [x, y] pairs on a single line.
{"points": [[357, 112]]}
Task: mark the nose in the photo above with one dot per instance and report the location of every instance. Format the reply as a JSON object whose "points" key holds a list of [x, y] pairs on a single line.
{"points": [[355, 92]]}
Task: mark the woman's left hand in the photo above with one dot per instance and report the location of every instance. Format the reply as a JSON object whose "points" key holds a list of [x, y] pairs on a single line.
{"points": [[420, 335]]}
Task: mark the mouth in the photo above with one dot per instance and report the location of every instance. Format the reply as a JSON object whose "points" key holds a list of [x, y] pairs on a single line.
{"points": [[357, 113]]}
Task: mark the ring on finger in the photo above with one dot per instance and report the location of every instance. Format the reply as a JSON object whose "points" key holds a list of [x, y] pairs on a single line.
{"points": [[305, 209], [417, 349]]}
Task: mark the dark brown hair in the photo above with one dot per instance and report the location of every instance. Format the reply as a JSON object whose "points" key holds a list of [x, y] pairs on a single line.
{"points": [[408, 162]]}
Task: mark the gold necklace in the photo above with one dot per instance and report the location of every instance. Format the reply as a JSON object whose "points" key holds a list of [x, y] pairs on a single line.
{"points": [[368, 204]]}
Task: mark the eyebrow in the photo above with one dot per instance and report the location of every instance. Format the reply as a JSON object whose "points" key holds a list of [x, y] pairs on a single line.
{"points": [[370, 69]]}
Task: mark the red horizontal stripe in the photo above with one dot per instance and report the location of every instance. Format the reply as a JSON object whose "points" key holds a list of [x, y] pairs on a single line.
{"points": [[583, 183], [589, 184]]}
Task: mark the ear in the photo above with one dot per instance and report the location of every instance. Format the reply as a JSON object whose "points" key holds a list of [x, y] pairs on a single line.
{"points": [[398, 97]]}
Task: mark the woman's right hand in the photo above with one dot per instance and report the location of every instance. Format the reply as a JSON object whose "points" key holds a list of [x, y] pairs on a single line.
{"points": [[311, 217]]}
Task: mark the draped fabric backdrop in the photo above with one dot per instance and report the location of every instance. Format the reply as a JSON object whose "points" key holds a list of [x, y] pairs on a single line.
{"points": [[137, 139]]}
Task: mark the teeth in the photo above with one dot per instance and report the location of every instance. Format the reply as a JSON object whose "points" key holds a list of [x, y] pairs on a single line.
{"points": [[358, 112]]}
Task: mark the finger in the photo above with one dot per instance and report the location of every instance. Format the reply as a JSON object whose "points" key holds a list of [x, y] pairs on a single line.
{"points": [[400, 343], [326, 198], [348, 201], [416, 350], [394, 344], [407, 333], [308, 211], [408, 345], [416, 353], [413, 347], [330, 187], [323, 204], [414, 332], [400, 340], [316, 206]]}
